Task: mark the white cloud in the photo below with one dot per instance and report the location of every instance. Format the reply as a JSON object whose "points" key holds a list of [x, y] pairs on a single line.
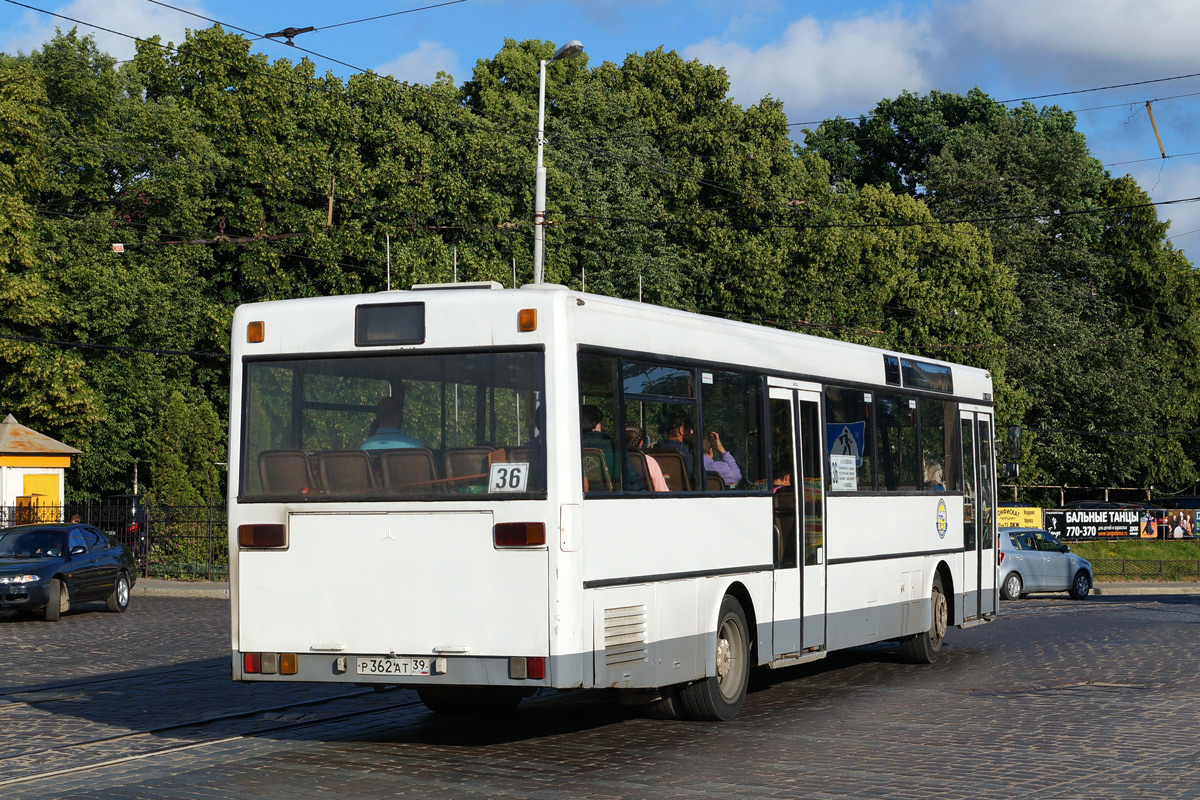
{"points": [[1074, 39], [130, 17], [423, 64], [844, 68]]}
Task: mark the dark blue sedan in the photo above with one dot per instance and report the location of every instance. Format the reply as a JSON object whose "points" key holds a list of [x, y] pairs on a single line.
{"points": [[46, 568]]}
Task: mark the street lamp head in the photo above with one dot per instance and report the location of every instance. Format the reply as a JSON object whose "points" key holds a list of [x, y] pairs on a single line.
{"points": [[568, 50]]}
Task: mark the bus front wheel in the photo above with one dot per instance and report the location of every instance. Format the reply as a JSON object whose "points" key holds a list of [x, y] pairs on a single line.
{"points": [[924, 648], [720, 696]]}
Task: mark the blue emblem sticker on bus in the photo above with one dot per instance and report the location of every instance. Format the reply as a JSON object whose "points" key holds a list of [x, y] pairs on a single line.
{"points": [[942, 519]]}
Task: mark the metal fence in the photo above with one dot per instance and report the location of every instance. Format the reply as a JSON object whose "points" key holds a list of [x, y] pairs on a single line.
{"points": [[1148, 568], [179, 542]]}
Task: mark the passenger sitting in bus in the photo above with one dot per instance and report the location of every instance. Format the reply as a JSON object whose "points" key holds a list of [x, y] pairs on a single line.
{"points": [[676, 434], [385, 432], [781, 481], [592, 435], [717, 459], [635, 438], [934, 477]]}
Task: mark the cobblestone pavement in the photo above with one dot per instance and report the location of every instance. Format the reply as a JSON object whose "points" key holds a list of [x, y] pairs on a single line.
{"points": [[1056, 699]]}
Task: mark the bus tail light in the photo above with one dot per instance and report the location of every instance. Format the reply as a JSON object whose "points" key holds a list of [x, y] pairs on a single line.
{"points": [[519, 534], [532, 668], [269, 663], [262, 535]]}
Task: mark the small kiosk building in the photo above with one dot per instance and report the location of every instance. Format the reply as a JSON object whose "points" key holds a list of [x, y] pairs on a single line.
{"points": [[32, 469]]}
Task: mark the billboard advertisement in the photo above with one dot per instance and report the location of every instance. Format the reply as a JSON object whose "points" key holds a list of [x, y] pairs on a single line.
{"points": [[1094, 523]]}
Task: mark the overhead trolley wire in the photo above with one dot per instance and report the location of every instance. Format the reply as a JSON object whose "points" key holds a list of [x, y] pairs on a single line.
{"points": [[500, 124], [259, 36]]}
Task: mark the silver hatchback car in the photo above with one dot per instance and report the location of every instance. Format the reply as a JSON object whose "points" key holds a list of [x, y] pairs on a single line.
{"points": [[1032, 560]]}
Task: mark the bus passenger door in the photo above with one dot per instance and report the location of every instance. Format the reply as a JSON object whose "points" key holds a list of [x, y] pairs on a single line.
{"points": [[985, 525], [979, 516], [970, 587], [798, 520], [784, 522], [812, 507]]}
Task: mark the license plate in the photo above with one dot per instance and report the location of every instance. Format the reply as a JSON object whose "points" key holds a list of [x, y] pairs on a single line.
{"points": [[393, 666]]}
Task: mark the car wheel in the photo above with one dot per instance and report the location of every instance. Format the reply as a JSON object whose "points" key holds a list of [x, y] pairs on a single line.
{"points": [[924, 648], [1011, 590], [60, 600], [719, 697], [1081, 585], [119, 599]]}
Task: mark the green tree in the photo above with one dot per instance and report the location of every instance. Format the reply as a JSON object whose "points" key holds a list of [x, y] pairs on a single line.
{"points": [[1103, 297], [184, 469]]}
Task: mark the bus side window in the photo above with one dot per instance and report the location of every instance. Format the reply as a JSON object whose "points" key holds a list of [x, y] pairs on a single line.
{"points": [[598, 435]]}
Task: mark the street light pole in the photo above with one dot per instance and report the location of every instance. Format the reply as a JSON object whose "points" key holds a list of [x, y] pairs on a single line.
{"points": [[568, 50]]}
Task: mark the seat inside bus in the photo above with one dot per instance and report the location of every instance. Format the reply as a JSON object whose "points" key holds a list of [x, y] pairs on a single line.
{"points": [[461, 462], [346, 471], [595, 469], [285, 472], [673, 468], [411, 468]]}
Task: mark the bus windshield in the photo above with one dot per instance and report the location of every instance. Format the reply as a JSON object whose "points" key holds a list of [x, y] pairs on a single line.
{"points": [[411, 426]]}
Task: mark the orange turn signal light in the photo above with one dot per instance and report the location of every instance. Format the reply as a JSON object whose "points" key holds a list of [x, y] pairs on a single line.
{"points": [[527, 320], [254, 331], [262, 535], [519, 534]]}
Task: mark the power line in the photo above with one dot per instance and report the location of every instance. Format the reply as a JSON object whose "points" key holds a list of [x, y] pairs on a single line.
{"points": [[113, 348], [393, 14], [504, 125], [260, 36], [1042, 97], [1069, 432], [893, 224]]}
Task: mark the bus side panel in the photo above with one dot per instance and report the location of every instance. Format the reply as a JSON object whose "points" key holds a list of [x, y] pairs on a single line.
{"points": [[657, 538], [647, 635], [661, 634], [874, 601], [874, 595], [881, 525]]}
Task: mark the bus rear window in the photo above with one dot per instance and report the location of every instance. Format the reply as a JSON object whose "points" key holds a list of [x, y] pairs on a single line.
{"points": [[396, 426]]}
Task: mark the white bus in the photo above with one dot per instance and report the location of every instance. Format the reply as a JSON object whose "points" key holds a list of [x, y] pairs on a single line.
{"points": [[480, 493]]}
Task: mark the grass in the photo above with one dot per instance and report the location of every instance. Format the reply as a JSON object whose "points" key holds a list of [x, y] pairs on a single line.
{"points": [[1142, 560], [1135, 548]]}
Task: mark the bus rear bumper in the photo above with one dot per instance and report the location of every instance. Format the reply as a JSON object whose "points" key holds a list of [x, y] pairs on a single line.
{"points": [[526, 672]]}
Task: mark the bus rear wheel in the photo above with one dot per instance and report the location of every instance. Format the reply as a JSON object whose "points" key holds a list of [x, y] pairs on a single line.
{"points": [[924, 648], [719, 697]]}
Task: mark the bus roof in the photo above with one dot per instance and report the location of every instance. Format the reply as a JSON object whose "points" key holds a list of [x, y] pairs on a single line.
{"points": [[462, 316]]}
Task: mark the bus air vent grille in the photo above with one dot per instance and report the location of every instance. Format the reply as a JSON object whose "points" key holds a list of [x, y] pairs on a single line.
{"points": [[624, 635]]}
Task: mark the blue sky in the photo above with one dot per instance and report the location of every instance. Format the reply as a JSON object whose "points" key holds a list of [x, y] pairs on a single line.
{"points": [[822, 58]]}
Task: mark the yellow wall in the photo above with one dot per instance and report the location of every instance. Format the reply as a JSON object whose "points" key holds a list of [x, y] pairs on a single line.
{"points": [[35, 461], [45, 485]]}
